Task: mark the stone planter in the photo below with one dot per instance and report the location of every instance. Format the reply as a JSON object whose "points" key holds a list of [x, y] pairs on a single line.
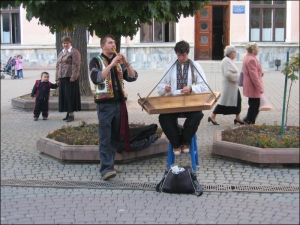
{"points": [[254, 154], [21, 102], [90, 153]]}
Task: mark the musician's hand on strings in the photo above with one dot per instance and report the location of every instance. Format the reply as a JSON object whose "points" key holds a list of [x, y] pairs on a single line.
{"points": [[186, 90], [168, 89]]}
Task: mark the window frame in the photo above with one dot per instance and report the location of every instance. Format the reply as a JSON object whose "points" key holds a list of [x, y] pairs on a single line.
{"points": [[153, 32], [10, 10], [261, 6]]}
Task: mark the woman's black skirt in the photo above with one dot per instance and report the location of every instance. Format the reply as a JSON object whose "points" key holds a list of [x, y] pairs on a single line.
{"points": [[227, 110], [69, 95]]}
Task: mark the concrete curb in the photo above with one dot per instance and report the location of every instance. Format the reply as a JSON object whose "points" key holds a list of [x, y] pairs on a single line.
{"points": [[20, 102], [254, 154], [90, 153]]}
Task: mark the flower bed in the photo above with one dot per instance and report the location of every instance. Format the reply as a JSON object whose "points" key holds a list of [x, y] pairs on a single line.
{"points": [[263, 136], [80, 144], [234, 143]]}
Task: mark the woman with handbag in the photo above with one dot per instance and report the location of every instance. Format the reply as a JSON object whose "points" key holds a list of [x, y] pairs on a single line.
{"points": [[253, 86], [230, 101]]}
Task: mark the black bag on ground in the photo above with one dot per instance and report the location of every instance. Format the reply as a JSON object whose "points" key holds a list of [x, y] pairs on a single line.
{"points": [[184, 182], [141, 132], [143, 143], [140, 137]]}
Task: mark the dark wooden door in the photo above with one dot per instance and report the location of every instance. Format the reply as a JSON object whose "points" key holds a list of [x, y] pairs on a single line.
{"points": [[226, 26], [203, 34]]}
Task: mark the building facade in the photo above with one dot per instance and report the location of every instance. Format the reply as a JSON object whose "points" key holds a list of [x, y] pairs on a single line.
{"points": [[274, 25]]}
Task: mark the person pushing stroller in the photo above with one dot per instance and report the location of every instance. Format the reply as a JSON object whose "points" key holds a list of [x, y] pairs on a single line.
{"points": [[8, 68]]}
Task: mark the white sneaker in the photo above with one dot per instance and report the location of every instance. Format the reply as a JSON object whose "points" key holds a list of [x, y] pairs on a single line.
{"points": [[177, 151], [186, 149]]}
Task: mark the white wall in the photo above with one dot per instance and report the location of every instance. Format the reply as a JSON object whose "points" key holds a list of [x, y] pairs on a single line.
{"points": [[33, 33]]}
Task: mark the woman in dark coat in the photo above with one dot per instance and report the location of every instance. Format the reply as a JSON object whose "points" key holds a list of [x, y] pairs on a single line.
{"points": [[67, 72]]}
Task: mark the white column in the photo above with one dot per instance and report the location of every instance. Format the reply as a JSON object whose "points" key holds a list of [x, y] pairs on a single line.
{"points": [[21, 23], [288, 24], [247, 11], [123, 40], [137, 36], [177, 32]]}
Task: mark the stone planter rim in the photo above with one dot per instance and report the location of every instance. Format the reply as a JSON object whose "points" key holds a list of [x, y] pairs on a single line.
{"points": [[254, 154]]}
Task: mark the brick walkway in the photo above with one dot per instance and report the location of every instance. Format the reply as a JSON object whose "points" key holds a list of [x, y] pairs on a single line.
{"points": [[20, 160]]}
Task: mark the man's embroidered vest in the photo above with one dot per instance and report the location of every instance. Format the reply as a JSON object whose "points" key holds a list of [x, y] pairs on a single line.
{"points": [[104, 90]]}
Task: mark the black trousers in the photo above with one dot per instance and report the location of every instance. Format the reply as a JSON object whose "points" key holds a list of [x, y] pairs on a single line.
{"points": [[227, 110], [41, 105], [169, 125], [252, 110]]}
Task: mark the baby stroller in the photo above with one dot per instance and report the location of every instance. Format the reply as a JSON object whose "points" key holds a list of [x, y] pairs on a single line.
{"points": [[9, 68]]}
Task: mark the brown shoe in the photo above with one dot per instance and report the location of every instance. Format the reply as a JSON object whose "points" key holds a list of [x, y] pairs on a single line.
{"points": [[108, 175], [117, 170]]}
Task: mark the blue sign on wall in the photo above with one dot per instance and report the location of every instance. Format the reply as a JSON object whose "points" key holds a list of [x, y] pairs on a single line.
{"points": [[238, 9]]}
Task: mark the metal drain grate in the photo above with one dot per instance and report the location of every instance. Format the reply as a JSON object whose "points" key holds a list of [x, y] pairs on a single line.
{"points": [[140, 186]]}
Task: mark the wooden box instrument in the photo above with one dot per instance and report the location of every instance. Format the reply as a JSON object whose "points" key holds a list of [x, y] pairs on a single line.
{"points": [[179, 103]]}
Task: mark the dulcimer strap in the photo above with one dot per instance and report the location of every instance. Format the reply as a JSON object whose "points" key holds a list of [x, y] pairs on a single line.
{"points": [[157, 84]]}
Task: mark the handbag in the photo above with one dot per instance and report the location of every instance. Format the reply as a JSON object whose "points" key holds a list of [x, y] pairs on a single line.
{"points": [[241, 77], [264, 103], [180, 181]]}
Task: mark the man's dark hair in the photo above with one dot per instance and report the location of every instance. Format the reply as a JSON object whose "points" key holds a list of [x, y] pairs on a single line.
{"points": [[104, 38], [182, 47]]}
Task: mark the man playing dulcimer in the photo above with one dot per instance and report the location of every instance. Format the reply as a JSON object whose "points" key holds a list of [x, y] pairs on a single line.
{"points": [[182, 76]]}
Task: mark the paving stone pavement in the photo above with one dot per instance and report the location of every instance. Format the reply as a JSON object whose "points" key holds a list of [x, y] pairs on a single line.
{"points": [[29, 205]]}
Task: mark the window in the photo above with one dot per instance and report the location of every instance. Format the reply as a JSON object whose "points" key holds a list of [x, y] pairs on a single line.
{"points": [[267, 20], [157, 32], [10, 25]]}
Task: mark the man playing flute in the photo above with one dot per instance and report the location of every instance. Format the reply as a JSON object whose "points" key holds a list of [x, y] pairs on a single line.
{"points": [[183, 76], [107, 72]]}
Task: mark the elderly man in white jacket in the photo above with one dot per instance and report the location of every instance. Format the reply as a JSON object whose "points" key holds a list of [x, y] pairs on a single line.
{"points": [[181, 77]]}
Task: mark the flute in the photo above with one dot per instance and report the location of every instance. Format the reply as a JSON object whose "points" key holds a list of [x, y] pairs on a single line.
{"points": [[121, 61]]}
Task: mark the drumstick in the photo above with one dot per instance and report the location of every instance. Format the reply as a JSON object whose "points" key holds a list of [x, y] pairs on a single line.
{"points": [[117, 54]]}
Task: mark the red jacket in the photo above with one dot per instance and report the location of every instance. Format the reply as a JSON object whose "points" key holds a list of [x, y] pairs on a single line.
{"points": [[252, 83]]}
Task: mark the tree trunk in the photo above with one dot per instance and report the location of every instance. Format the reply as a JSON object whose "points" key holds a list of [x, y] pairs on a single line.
{"points": [[79, 41], [118, 43]]}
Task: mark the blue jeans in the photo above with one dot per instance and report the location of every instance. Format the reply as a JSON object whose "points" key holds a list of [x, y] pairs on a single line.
{"points": [[20, 74], [109, 134]]}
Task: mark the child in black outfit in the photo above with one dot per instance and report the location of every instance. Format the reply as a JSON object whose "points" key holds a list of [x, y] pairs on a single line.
{"points": [[41, 92]]}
